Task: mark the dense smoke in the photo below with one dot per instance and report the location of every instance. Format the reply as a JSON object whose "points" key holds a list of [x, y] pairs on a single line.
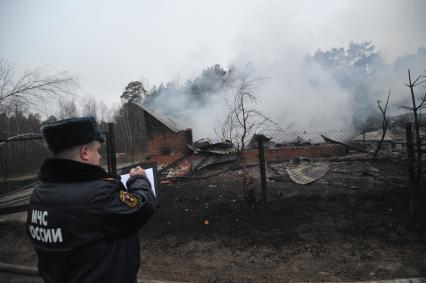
{"points": [[328, 90]]}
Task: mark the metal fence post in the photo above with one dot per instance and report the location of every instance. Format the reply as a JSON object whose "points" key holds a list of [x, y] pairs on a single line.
{"points": [[111, 145]]}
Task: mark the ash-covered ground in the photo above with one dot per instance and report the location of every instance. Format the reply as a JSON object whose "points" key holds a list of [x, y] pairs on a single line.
{"points": [[355, 223]]}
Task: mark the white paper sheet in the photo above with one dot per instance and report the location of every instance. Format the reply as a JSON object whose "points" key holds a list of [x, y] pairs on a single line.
{"points": [[149, 174]]}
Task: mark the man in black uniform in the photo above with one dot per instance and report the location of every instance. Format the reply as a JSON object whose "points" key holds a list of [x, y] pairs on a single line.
{"points": [[82, 221]]}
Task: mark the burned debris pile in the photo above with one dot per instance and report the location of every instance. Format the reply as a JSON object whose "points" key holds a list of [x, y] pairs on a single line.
{"points": [[301, 160]]}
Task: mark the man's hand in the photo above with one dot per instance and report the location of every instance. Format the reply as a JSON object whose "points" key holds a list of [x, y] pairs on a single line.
{"points": [[137, 171]]}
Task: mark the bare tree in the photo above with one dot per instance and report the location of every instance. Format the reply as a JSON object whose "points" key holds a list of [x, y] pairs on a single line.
{"points": [[241, 121], [385, 123], [103, 112], [33, 87], [417, 108], [67, 109], [89, 106], [128, 122], [129, 129]]}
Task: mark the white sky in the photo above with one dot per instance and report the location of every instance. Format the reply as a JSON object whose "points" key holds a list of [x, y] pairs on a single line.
{"points": [[110, 43]]}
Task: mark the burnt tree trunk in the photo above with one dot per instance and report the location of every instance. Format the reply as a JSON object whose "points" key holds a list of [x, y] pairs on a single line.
{"points": [[418, 174]]}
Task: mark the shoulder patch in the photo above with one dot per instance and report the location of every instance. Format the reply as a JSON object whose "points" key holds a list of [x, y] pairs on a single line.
{"points": [[128, 199]]}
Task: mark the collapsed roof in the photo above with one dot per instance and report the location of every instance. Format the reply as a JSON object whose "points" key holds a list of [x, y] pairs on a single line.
{"points": [[173, 125], [391, 135]]}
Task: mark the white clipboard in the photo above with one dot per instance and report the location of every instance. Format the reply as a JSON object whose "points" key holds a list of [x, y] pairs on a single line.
{"points": [[151, 174]]}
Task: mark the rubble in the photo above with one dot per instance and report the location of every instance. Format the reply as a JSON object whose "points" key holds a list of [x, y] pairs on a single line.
{"points": [[205, 145], [182, 169], [299, 141], [348, 146], [392, 135], [211, 159]]}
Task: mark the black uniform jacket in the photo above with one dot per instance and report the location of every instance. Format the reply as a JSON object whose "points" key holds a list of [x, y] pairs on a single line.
{"points": [[83, 223]]}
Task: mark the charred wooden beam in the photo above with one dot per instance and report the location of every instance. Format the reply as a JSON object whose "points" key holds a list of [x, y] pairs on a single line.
{"points": [[348, 146]]}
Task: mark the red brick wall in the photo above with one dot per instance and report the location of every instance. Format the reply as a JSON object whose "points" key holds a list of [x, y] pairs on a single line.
{"points": [[287, 153], [176, 142]]}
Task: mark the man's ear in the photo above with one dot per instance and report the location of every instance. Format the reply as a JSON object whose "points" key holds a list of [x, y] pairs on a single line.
{"points": [[84, 152]]}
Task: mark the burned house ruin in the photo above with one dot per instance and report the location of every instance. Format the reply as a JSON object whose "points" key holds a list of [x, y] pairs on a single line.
{"points": [[166, 140]]}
